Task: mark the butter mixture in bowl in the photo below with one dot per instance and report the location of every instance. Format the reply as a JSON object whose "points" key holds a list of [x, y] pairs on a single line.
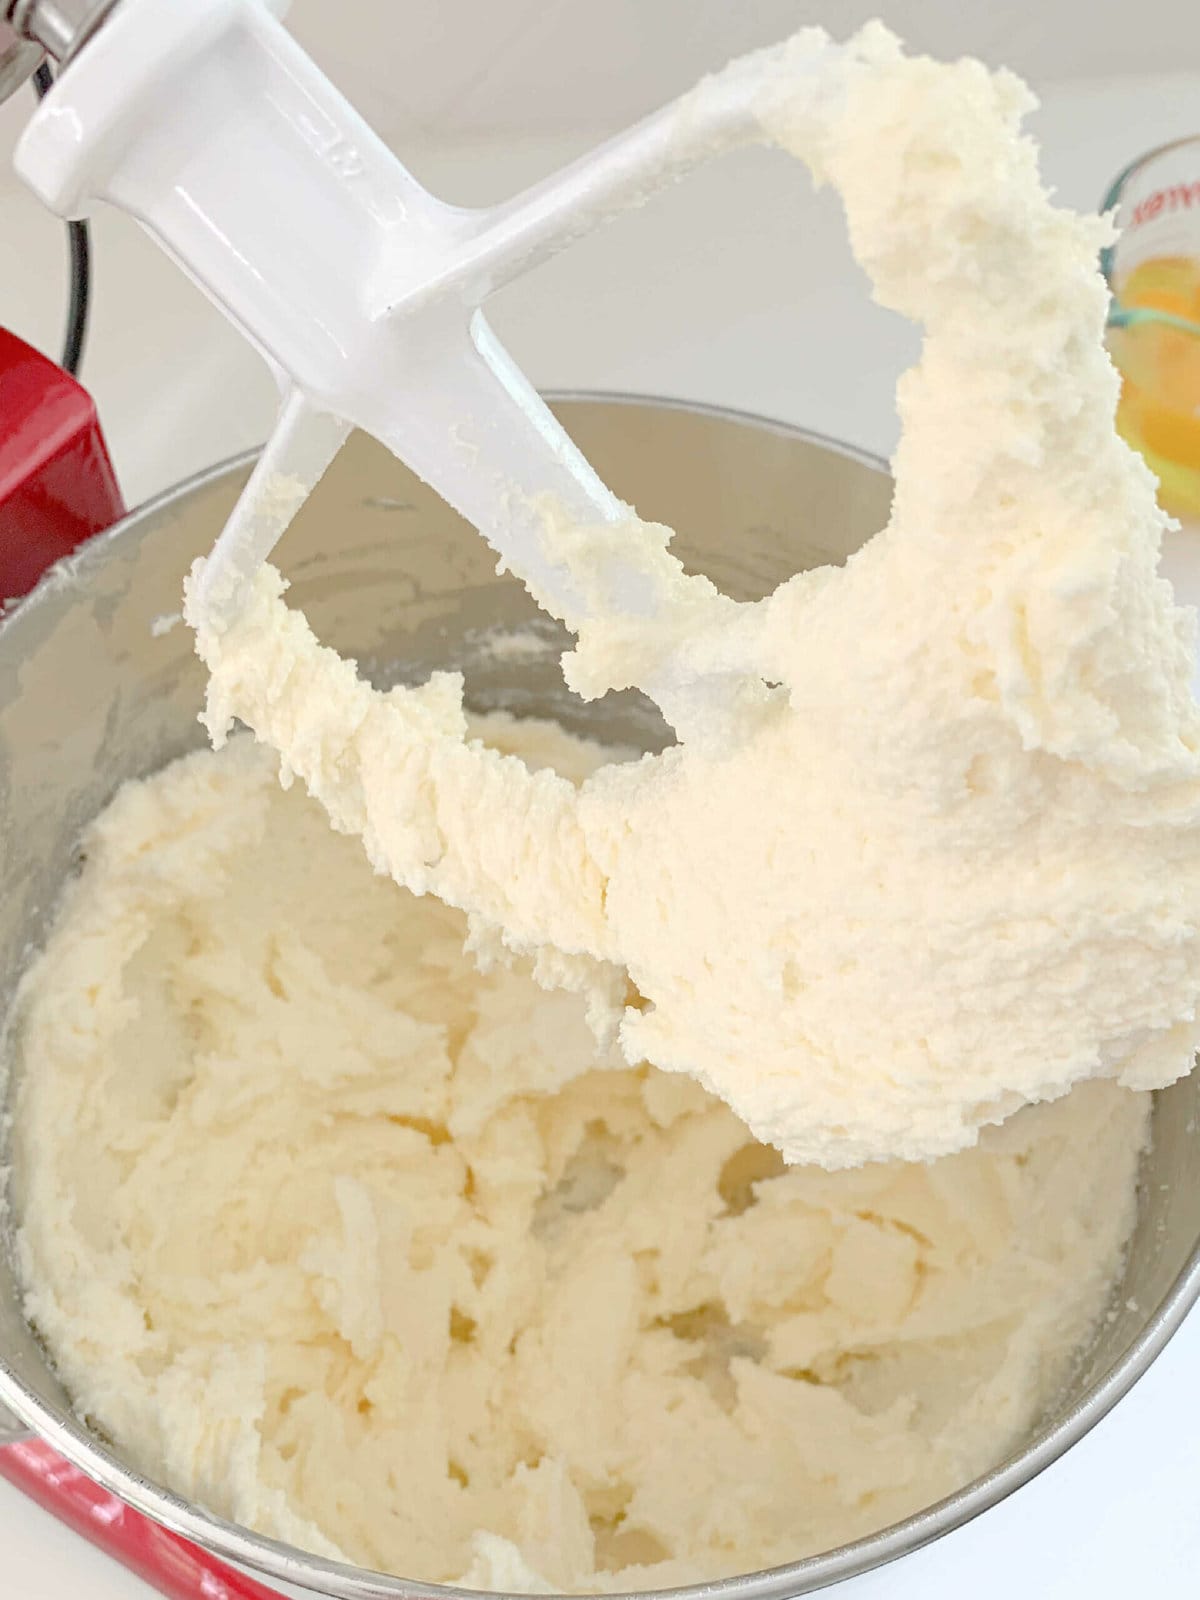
{"points": [[383, 1255]]}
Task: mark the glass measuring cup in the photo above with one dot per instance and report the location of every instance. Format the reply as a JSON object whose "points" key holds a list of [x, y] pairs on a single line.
{"points": [[1153, 335]]}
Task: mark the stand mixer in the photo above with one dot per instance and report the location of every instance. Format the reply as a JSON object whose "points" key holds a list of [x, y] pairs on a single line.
{"points": [[987, 1549]]}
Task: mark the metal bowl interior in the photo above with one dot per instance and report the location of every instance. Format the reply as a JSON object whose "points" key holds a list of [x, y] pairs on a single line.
{"points": [[93, 693]]}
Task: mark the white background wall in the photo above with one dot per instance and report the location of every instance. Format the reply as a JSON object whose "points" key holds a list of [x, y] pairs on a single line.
{"points": [[463, 67]]}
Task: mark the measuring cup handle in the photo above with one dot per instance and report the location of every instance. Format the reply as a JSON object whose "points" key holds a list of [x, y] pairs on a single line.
{"points": [[165, 1560], [57, 484]]}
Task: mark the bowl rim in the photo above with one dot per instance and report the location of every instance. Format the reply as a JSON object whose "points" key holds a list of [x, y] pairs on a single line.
{"points": [[340, 1580]]}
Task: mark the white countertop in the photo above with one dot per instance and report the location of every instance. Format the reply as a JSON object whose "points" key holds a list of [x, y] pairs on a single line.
{"points": [[726, 290]]}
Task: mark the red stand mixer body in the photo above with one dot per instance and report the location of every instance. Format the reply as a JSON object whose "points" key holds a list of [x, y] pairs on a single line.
{"points": [[57, 485]]}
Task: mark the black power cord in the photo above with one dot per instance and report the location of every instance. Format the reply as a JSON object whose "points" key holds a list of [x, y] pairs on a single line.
{"points": [[79, 245]]}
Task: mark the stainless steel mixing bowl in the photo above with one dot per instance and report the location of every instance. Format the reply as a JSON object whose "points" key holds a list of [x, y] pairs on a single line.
{"points": [[91, 693]]}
